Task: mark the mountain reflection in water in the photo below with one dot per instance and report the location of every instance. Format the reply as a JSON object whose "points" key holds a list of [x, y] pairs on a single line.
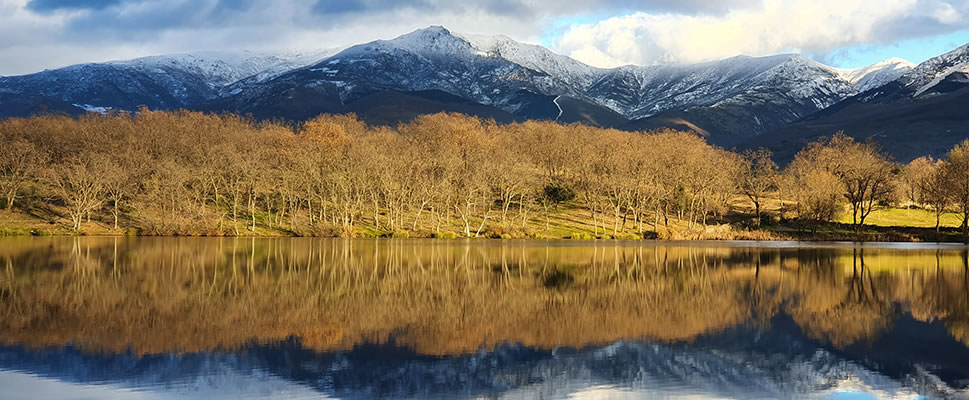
{"points": [[305, 318]]}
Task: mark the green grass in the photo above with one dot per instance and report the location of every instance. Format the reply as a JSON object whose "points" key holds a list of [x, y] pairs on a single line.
{"points": [[570, 221], [904, 217], [5, 231]]}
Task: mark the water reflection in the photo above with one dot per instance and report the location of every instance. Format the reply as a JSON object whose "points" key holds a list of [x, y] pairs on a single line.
{"points": [[191, 317]]}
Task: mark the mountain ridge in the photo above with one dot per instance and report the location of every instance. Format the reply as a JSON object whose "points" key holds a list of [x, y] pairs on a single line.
{"points": [[730, 100], [923, 112]]}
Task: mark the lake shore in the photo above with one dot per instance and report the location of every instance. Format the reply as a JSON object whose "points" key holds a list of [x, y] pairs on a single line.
{"points": [[566, 225]]}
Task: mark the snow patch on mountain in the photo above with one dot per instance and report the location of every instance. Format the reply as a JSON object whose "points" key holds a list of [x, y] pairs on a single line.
{"points": [[94, 109]]}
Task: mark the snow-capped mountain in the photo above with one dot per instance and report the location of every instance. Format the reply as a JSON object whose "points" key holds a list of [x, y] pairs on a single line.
{"points": [[646, 91], [434, 69], [165, 82], [735, 98], [921, 112], [526, 81], [431, 59], [430, 63]]}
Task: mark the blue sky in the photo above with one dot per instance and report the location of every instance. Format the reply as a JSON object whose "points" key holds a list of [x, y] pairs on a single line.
{"points": [[39, 34], [914, 50]]}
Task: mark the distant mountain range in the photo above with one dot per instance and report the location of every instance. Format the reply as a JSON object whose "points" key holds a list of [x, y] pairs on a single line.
{"points": [[778, 101]]}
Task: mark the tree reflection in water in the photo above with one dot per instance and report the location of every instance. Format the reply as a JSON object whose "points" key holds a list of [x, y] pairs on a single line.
{"points": [[154, 296]]}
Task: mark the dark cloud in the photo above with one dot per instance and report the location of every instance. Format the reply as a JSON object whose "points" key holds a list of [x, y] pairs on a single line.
{"points": [[360, 7], [44, 6], [517, 7], [136, 18], [331, 7], [915, 26], [153, 17], [702, 7]]}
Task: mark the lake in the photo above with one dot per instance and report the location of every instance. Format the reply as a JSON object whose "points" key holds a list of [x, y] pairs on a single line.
{"points": [[293, 318]]}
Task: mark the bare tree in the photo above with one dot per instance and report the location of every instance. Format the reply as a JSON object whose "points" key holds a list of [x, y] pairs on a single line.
{"points": [[865, 173], [816, 193], [955, 175], [758, 177], [80, 184], [20, 161]]}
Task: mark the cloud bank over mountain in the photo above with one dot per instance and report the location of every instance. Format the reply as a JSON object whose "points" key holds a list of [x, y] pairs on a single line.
{"points": [[771, 27], [39, 34]]}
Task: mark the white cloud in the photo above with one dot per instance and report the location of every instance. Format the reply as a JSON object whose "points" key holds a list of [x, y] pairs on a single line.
{"points": [[947, 14], [776, 26], [30, 42], [663, 31]]}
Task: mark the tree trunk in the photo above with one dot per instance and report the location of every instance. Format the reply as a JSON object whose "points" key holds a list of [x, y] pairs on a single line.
{"points": [[938, 222], [965, 226], [376, 214], [418, 216], [757, 213], [11, 197], [545, 207], [115, 213], [615, 222]]}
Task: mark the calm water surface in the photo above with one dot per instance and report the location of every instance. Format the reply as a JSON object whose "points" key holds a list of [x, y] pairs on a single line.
{"points": [[149, 318]]}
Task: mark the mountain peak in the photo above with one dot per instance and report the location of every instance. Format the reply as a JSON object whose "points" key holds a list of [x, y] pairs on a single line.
{"points": [[877, 74], [435, 28], [430, 33], [433, 40], [896, 61]]}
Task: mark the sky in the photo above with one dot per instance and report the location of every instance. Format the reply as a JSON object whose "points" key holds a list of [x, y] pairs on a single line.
{"points": [[42, 34]]}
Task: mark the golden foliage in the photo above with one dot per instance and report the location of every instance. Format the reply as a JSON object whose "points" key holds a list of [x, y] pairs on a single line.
{"points": [[156, 295]]}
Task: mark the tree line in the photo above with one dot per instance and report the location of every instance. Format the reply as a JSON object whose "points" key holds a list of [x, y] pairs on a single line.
{"points": [[193, 173]]}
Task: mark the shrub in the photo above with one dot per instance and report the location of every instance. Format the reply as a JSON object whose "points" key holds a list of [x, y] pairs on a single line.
{"points": [[627, 236], [558, 193], [445, 235], [506, 231], [400, 235], [580, 236]]}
